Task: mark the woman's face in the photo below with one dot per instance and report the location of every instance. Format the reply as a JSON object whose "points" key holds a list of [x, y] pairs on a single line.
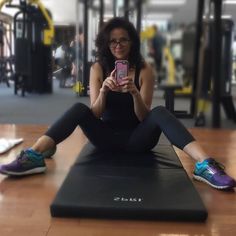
{"points": [[120, 43]]}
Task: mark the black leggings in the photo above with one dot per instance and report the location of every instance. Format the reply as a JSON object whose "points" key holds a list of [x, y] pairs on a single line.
{"points": [[143, 138]]}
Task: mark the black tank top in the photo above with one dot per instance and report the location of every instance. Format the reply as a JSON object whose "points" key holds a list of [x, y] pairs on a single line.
{"points": [[119, 110]]}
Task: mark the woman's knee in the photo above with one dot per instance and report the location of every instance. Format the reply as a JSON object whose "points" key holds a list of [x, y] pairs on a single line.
{"points": [[159, 111], [159, 115], [79, 106], [80, 110]]}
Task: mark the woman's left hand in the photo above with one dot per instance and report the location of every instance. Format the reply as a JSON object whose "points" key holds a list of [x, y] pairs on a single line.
{"points": [[127, 85]]}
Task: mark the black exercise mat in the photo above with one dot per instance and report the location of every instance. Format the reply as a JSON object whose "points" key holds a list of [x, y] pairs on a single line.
{"points": [[151, 185]]}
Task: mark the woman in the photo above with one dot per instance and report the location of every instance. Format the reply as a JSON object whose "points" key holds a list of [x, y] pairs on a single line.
{"points": [[120, 112]]}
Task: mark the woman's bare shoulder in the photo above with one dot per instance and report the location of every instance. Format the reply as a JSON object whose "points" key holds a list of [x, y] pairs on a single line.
{"points": [[147, 70], [148, 66], [96, 72], [96, 66]]}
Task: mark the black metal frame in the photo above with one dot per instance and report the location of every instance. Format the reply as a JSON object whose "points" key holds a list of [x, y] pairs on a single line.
{"points": [[218, 96]]}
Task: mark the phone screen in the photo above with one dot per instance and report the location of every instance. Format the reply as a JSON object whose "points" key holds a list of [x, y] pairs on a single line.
{"points": [[122, 67]]}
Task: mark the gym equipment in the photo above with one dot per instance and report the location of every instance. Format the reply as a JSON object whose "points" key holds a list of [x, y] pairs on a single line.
{"points": [[64, 66], [6, 58], [204, 68], [150, 185], [6, 69], [33, 35], [226, 70], [78, 88], [172, 83], [206, 86]]}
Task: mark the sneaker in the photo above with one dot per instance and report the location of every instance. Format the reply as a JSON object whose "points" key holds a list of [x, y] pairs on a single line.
{"points": [[28, 162], [212, 173], [49, 153]]}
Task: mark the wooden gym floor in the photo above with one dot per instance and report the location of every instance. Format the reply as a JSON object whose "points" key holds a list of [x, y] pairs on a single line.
{"points": [[24, 202]]}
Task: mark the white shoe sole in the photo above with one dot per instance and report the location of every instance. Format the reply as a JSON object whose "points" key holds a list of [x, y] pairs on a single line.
{"points": [[199, 178], [37, 170]]}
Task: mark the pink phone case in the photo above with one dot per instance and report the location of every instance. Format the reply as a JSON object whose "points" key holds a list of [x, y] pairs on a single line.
{"points": [[122, 68]]}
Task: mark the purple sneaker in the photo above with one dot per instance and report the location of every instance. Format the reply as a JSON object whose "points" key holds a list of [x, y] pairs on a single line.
{"points": [[212, 173], [25, 164]]}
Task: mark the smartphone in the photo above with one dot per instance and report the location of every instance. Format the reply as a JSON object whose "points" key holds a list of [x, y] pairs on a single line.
{"points": [[122, 69]]}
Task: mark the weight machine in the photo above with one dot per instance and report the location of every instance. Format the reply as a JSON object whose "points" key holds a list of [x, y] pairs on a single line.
{"points": [[33, 37], [6, 59], [214, 69]]}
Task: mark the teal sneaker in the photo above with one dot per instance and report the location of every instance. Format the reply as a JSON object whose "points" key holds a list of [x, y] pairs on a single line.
{"points": [[212, 173], [27, 163]]}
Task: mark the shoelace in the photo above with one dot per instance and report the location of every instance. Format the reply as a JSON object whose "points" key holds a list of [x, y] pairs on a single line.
{"points": [[21, 156], [218, 166]]}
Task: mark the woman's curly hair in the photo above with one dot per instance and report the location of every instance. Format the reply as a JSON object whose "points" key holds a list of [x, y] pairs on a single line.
{"points": [[104, 55]]}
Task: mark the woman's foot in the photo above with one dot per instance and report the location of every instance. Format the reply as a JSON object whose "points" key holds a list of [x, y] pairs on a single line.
{"points": [[212, 173], [27, 162]]}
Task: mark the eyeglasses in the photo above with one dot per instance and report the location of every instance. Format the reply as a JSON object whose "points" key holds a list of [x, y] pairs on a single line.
{"points": [[122, 42]]}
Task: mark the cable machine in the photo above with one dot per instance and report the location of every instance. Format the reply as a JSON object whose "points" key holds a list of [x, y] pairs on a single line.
{"points": [[6, 58], [33, 37], [213, 64]]}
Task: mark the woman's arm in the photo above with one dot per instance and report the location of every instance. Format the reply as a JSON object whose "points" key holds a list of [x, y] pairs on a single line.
{"points": [[143, 98], [99, 89]]}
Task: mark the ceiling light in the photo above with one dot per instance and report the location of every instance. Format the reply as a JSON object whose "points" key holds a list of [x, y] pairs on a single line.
{"points": [[230, 2], [166, 2], [108, 16], [159, 16], [222, 17]]}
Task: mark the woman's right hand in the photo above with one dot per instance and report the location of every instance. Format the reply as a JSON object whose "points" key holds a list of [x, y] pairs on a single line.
{"points": [[110, 83]]}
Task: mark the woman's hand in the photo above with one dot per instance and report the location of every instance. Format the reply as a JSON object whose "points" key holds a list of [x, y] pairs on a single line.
{"points": [[128, 85], [110, 83]]}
